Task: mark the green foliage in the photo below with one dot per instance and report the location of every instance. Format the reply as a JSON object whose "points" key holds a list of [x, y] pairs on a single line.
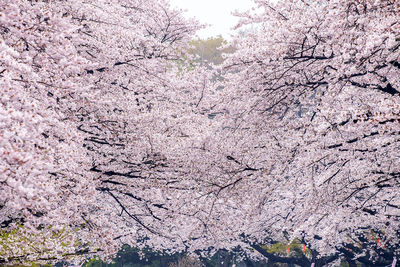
{"points": [[96, 262], [21, 247], [295, 247], [133, 257], [208, 50]]}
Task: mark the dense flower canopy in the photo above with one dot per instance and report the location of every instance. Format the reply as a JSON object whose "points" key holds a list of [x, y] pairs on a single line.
{"points": [[111, 135], [315, 94]]}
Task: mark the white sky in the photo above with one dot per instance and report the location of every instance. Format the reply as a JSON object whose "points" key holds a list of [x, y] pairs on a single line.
{"points": [[214, 12]]}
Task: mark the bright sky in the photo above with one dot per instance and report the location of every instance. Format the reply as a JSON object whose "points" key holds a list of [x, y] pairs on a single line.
{"points": [[214, 12]]}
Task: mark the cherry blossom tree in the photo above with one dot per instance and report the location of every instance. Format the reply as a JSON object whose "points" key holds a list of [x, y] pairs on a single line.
{"points": [[312, 104], [42, 160], [88, 89]]}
